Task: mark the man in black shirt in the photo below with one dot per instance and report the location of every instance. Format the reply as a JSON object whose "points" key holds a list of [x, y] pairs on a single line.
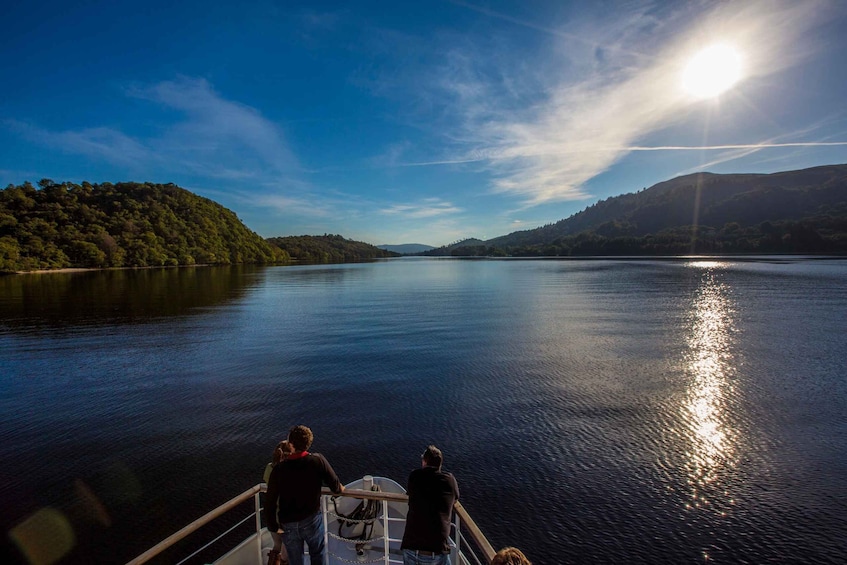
{"points": [[432, 494], [295, 488]]}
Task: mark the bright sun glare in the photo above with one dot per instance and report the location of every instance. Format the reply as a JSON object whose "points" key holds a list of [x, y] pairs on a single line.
{"points": [[712, 71]]}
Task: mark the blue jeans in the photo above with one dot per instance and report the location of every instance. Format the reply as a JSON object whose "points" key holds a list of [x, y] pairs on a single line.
{"points": [[309, 531], [412, 557]]}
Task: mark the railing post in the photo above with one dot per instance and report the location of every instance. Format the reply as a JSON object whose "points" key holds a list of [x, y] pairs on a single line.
{"points": [[457, 537], [385, 528], [258, 506], [326, 529]]}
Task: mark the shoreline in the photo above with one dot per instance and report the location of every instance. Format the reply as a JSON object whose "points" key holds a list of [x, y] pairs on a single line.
{"points": [[89, 269], [737, 257]]}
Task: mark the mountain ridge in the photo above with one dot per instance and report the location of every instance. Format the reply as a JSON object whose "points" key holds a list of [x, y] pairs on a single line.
{"points": [[700, 203], [406, 248]]}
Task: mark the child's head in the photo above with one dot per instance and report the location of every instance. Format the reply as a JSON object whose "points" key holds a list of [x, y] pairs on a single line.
{"points": [[282, 451], [510, 556]]}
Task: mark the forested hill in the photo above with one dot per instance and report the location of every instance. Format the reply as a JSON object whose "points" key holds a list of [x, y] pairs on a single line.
{"points": [[120, 225], [801, 211], [328, 249]]}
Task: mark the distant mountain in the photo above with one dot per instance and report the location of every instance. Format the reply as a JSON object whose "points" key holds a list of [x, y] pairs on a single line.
{"points": [[328, 248], [793, 211], [407, 248], [452, 248]]}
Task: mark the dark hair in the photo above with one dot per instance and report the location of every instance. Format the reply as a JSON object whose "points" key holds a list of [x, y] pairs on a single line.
{"points": [[510, 556], [432, 456], [300, 437]]}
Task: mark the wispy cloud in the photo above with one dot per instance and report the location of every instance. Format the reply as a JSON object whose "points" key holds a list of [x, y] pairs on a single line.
{"points": [[214, 138], [754, 146], [217, 131], [392, 155], [308, 207], [103, 143], [598, 111], [426, 208]]}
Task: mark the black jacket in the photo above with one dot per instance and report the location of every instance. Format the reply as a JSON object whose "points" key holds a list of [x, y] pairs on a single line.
{"points": [[432, 493], [295, 487]]}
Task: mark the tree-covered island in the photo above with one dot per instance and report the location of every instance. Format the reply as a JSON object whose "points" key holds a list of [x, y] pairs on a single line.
{"points": [[61, 225], [128, 224]]}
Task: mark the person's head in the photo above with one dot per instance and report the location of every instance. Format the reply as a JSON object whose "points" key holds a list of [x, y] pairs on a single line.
{"points": [[283, 450], [510, 556], [432, 457], [300, 437]]}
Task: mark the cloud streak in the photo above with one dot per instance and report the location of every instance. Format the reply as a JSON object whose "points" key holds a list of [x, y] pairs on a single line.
{"points": [[595, 116], [101, 143], [736, 146], [216, 130], [216, 138], [633, 148], [308, 207], [426, 208]]}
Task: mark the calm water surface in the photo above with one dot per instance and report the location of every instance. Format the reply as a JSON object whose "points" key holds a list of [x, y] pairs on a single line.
{"points": [[596, 411]]}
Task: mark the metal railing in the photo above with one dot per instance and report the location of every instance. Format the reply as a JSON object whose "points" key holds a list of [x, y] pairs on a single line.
{"points": [[471, 545]]}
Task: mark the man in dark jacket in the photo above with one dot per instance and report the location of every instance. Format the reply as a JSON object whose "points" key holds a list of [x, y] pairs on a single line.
{"points": [[295, 488], [432, 494]]}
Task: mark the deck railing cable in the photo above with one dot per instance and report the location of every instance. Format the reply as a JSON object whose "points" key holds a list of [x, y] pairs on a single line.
{"points": [[463, 521], [196, 525], [249, 516]]}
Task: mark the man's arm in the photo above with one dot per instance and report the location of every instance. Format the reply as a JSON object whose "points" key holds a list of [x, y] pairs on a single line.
{"points": [[330, 478]]}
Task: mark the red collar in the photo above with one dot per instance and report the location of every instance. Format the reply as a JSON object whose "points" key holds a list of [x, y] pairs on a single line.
{"points": [[298, 455]]}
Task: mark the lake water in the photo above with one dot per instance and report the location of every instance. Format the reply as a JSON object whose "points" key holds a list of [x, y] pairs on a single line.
{"points": [[593, 411]]}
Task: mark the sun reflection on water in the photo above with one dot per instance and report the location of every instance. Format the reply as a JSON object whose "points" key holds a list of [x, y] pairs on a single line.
{"points": [[710, 367]]}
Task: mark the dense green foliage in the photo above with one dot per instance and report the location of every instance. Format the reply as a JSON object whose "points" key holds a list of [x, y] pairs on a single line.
{"points": [[815, 235], [328, 249], [120, 225], [791, 212]]}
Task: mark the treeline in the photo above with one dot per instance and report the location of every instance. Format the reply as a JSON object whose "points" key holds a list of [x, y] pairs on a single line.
{"points": [[328, 248], [120, 225], [814, 235]]}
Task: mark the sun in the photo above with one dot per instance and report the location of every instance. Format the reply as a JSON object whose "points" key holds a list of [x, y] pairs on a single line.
{"points": [[712, 71]]}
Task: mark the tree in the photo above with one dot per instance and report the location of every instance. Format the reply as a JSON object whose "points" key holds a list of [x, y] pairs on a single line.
{"points": [[124, 224]]}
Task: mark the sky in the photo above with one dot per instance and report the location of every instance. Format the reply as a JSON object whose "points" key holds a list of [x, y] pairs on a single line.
{"points": [[416, 122]]}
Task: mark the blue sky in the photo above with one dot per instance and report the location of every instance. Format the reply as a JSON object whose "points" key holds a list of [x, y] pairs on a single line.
{"points": [[424, 122]]}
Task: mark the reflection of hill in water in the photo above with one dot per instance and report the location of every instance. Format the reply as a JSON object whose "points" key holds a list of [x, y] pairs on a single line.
{"points": [[116, 297]]}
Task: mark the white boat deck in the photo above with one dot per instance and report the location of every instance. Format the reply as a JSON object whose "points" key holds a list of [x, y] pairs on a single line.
{"points": [[364, 525]]}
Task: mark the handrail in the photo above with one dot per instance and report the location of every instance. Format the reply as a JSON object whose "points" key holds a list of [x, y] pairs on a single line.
{"points": [[368, 494], [476, 534], [196, 525], [473, 530]]}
